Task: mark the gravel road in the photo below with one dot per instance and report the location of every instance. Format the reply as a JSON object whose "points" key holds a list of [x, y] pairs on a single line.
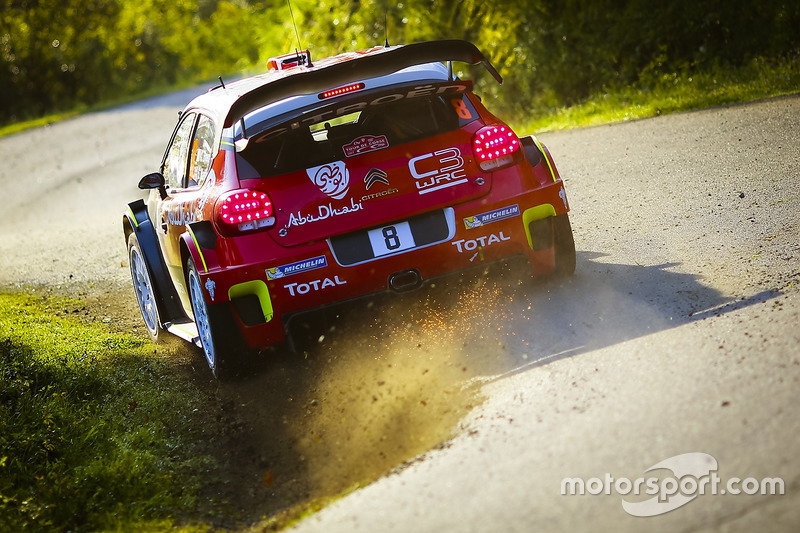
{"points": [[470, 404]]}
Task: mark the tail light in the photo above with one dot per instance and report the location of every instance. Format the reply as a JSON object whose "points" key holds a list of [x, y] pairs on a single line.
{"points": [[496, 147], [242, 211]]}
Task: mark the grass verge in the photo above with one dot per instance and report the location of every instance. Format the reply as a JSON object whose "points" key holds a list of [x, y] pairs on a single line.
{"points": [[678, 91], [96, 432]]}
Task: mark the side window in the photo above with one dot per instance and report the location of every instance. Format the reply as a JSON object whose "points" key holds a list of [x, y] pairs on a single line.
{"points": [[178, 154], [202, 151]]}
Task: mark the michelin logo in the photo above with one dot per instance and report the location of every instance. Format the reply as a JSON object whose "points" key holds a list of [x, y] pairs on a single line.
{"points": [[296, 268], [492, 216]]}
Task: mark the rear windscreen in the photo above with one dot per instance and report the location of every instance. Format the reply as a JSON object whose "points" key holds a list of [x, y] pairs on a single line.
{"points": [[350, 130]]}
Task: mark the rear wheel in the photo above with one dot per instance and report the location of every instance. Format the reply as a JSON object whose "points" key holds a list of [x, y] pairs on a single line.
{"points": [[143, 287], [564, 244], [216, 337]]}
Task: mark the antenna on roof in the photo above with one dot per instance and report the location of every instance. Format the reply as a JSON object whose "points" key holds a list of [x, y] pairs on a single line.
{"points": [[385, 31], [299, 46], [221, 82]]}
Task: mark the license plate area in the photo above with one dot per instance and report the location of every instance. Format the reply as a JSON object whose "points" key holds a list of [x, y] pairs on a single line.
{"points": [[395, 238], [391, 239]]}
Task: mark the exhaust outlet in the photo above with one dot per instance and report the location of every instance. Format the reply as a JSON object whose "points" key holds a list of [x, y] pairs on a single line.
{"points": [[405, 280]]}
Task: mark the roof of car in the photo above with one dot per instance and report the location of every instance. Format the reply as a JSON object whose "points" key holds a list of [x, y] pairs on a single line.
{"points": [[235, 100]]}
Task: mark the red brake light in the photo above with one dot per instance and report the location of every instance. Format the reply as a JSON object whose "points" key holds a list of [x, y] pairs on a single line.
{"points": [[496, 147], [341, 90], [243, 210]]}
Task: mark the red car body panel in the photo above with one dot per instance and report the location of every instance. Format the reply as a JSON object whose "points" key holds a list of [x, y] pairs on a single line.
{"points": [[389, 209]]}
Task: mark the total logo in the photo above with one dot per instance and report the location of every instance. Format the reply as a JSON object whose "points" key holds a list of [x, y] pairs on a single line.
{"points": [[316, 285], [469, 245]]}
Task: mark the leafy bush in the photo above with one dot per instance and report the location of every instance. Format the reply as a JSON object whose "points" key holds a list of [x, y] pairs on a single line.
{"points": [[56, 55]]}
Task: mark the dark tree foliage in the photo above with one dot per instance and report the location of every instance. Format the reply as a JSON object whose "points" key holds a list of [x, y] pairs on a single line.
{"points": [[584, 45], [58, 54]]}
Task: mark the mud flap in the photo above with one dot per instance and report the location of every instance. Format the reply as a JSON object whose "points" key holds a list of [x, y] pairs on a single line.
{"points": [[539, 229]]}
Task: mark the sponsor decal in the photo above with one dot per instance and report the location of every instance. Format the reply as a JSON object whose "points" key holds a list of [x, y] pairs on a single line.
{"points": [[210, 287], [469, 245], [563, 195], [491, 216], [387, 192], [376, 175], [323, 212], [438, 170], [181, 216], [297, 267], [364, 144], [333, 179], [201, 203], [316, 285]]}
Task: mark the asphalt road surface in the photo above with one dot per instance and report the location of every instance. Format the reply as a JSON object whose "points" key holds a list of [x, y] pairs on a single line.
{"points": [[470, 405]]}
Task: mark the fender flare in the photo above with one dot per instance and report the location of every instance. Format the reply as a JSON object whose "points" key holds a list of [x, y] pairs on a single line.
{"points": [[199, 242], [136, 220]]}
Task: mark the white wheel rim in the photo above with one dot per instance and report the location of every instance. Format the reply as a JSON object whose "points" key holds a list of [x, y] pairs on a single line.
{"points": [[201, 317], [144, 291]]}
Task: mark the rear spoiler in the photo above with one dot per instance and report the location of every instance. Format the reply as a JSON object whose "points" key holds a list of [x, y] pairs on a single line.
{"points": [[374, 64]]}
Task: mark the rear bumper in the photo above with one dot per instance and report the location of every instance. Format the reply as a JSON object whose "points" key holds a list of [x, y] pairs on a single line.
{"points": [[262, 296]]}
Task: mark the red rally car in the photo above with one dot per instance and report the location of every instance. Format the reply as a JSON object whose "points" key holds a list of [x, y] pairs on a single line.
{"points": [[323, 181]]}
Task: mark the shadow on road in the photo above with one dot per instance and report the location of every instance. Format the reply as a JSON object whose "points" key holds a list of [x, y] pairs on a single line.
{"points": [[605, 304], [385, 380]]}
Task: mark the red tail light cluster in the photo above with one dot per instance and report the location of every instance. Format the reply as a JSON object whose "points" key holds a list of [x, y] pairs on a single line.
{"points": [[243, 211], [496, 147]]}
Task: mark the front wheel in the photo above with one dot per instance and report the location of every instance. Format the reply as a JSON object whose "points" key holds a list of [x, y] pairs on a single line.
{"points": [[143, 287], [215, 337]]}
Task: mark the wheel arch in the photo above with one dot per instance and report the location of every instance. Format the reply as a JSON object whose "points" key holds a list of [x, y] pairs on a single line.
{"points": [[136, 220]]}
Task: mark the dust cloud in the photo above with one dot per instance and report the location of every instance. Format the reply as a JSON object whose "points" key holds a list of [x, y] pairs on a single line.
{"points": [[395, 381]]}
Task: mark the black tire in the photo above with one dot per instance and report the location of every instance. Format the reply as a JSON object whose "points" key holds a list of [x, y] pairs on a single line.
{"points": [[143, 289], [564, 244], [222, 346]]}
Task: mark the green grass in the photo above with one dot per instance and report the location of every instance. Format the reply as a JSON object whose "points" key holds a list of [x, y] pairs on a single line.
{"points": [[678, 91], [96, 431]]}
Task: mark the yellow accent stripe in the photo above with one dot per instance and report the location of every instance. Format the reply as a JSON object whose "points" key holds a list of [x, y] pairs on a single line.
{"points": [[188, 332], [536, 213], [544, 154], [133, 217], [259, 288], [199, 250]]}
